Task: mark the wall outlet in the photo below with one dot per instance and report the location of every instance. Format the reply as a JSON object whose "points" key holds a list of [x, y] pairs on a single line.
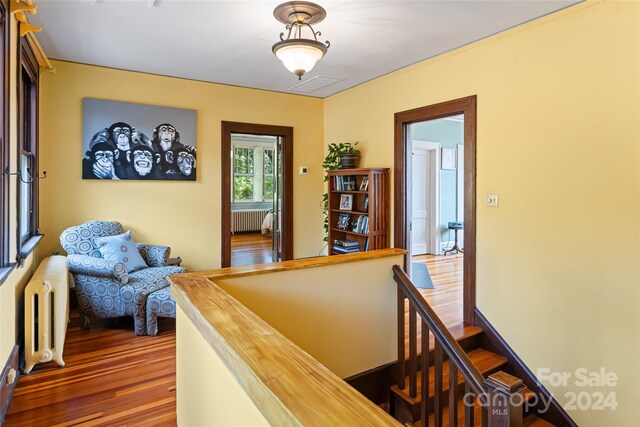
{"points": [[492, 200], [304, 170]]}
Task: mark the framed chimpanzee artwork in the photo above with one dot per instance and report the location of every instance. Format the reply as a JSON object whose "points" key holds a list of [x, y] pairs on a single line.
{"points": [[135, 141]]}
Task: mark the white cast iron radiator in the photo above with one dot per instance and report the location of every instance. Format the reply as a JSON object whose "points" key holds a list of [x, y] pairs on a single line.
{"points": [[46, 312], [247, 220]]}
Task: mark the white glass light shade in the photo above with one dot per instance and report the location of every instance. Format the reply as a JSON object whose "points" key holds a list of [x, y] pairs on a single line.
{"points": [[299, 58]]}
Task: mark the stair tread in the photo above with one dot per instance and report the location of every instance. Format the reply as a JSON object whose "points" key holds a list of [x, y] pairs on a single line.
{"points": [[459, 332], [463, 331], [484, 360]]}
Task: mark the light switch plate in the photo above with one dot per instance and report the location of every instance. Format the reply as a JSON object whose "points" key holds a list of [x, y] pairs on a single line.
{"points": [[304, 170], [492, 200]]}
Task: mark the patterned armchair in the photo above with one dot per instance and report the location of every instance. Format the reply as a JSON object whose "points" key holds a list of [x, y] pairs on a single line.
{"points": [[104, 288]]}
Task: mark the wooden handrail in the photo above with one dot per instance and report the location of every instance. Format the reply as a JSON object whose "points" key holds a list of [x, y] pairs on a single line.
{"points": [[440, 331]]}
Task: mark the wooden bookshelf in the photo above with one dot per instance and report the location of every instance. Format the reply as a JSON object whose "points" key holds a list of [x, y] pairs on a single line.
{"points": [[376, 234]]}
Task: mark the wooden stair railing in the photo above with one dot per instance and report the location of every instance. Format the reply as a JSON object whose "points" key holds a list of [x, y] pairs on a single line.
{"points": [[500, 395]]}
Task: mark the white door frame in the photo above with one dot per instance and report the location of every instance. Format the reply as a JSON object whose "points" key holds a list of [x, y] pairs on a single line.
{"points": [[433, 245]]}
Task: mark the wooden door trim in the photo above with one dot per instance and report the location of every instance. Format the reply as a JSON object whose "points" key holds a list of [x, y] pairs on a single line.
{"points": [[287, 186], [466, 106]]}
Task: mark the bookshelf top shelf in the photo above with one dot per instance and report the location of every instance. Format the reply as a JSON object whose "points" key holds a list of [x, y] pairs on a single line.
{"points": [[359, 171]]}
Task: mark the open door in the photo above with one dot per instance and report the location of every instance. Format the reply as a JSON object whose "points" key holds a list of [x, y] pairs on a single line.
{"points": [[282, 226], [277, 203]]}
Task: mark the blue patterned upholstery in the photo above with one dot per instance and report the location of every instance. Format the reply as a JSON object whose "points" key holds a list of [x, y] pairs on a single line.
{"points": [[154, 256], [98, 267], [104, 288], [79, 239], [159, 304]]}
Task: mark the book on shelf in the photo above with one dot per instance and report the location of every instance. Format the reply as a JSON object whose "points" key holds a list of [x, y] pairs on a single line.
{"points": [[343, 250], [345, 183], [361, 225], [346, 243], [365, 206], [354, 247]]}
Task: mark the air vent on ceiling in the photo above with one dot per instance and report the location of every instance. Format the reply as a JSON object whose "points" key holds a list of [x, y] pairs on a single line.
{"points": [[314, 84]]}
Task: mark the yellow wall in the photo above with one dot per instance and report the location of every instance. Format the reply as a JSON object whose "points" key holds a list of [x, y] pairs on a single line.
{"points": [[312, 308], [558, 139], [183, 215]]}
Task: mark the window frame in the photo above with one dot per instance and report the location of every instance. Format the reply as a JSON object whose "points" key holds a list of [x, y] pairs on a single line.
{"points": [[28, 66], [264, 174], [5, 145]]}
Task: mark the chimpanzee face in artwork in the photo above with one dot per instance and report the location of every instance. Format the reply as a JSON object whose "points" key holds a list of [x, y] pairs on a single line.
{"points": [[142, 161], [103, 157], [121, 135], [166, 136], [186, 162]]}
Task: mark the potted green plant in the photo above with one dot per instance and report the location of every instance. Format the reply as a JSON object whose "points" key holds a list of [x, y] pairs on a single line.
{"points": [[342, 156]]}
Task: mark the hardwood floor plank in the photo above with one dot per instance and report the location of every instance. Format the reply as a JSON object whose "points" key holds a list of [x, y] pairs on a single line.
{"points": [[137, 410], [250, 248], [77, 421]]}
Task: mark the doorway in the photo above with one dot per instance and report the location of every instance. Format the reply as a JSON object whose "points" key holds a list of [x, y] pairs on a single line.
{"points": [[456, 167], [257, 193]]}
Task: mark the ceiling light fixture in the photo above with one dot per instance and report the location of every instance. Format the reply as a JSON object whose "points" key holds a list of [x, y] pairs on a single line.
{"points": [[299, 55]]}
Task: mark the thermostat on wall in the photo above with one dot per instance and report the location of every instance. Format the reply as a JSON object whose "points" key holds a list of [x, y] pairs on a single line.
{"points": [[304, 170]]}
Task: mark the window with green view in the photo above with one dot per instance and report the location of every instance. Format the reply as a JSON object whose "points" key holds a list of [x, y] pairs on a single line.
{"points": [[243, 174]]}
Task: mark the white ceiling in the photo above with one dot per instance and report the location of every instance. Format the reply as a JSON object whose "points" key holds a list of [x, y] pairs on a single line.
{"points": [[230, 41]]}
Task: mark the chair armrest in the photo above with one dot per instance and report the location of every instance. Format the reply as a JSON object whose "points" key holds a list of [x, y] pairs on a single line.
{"points": [[153, 255], [84, 264]]}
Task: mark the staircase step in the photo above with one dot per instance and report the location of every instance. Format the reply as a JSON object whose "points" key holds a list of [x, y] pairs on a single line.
{"points": [[461, 333], [530, 421], [467, 336], [486, 362]]}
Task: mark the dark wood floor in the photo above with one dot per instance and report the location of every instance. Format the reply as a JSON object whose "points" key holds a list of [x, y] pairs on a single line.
{"points": [[111, 377], [114, 378], [250, 248]]}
